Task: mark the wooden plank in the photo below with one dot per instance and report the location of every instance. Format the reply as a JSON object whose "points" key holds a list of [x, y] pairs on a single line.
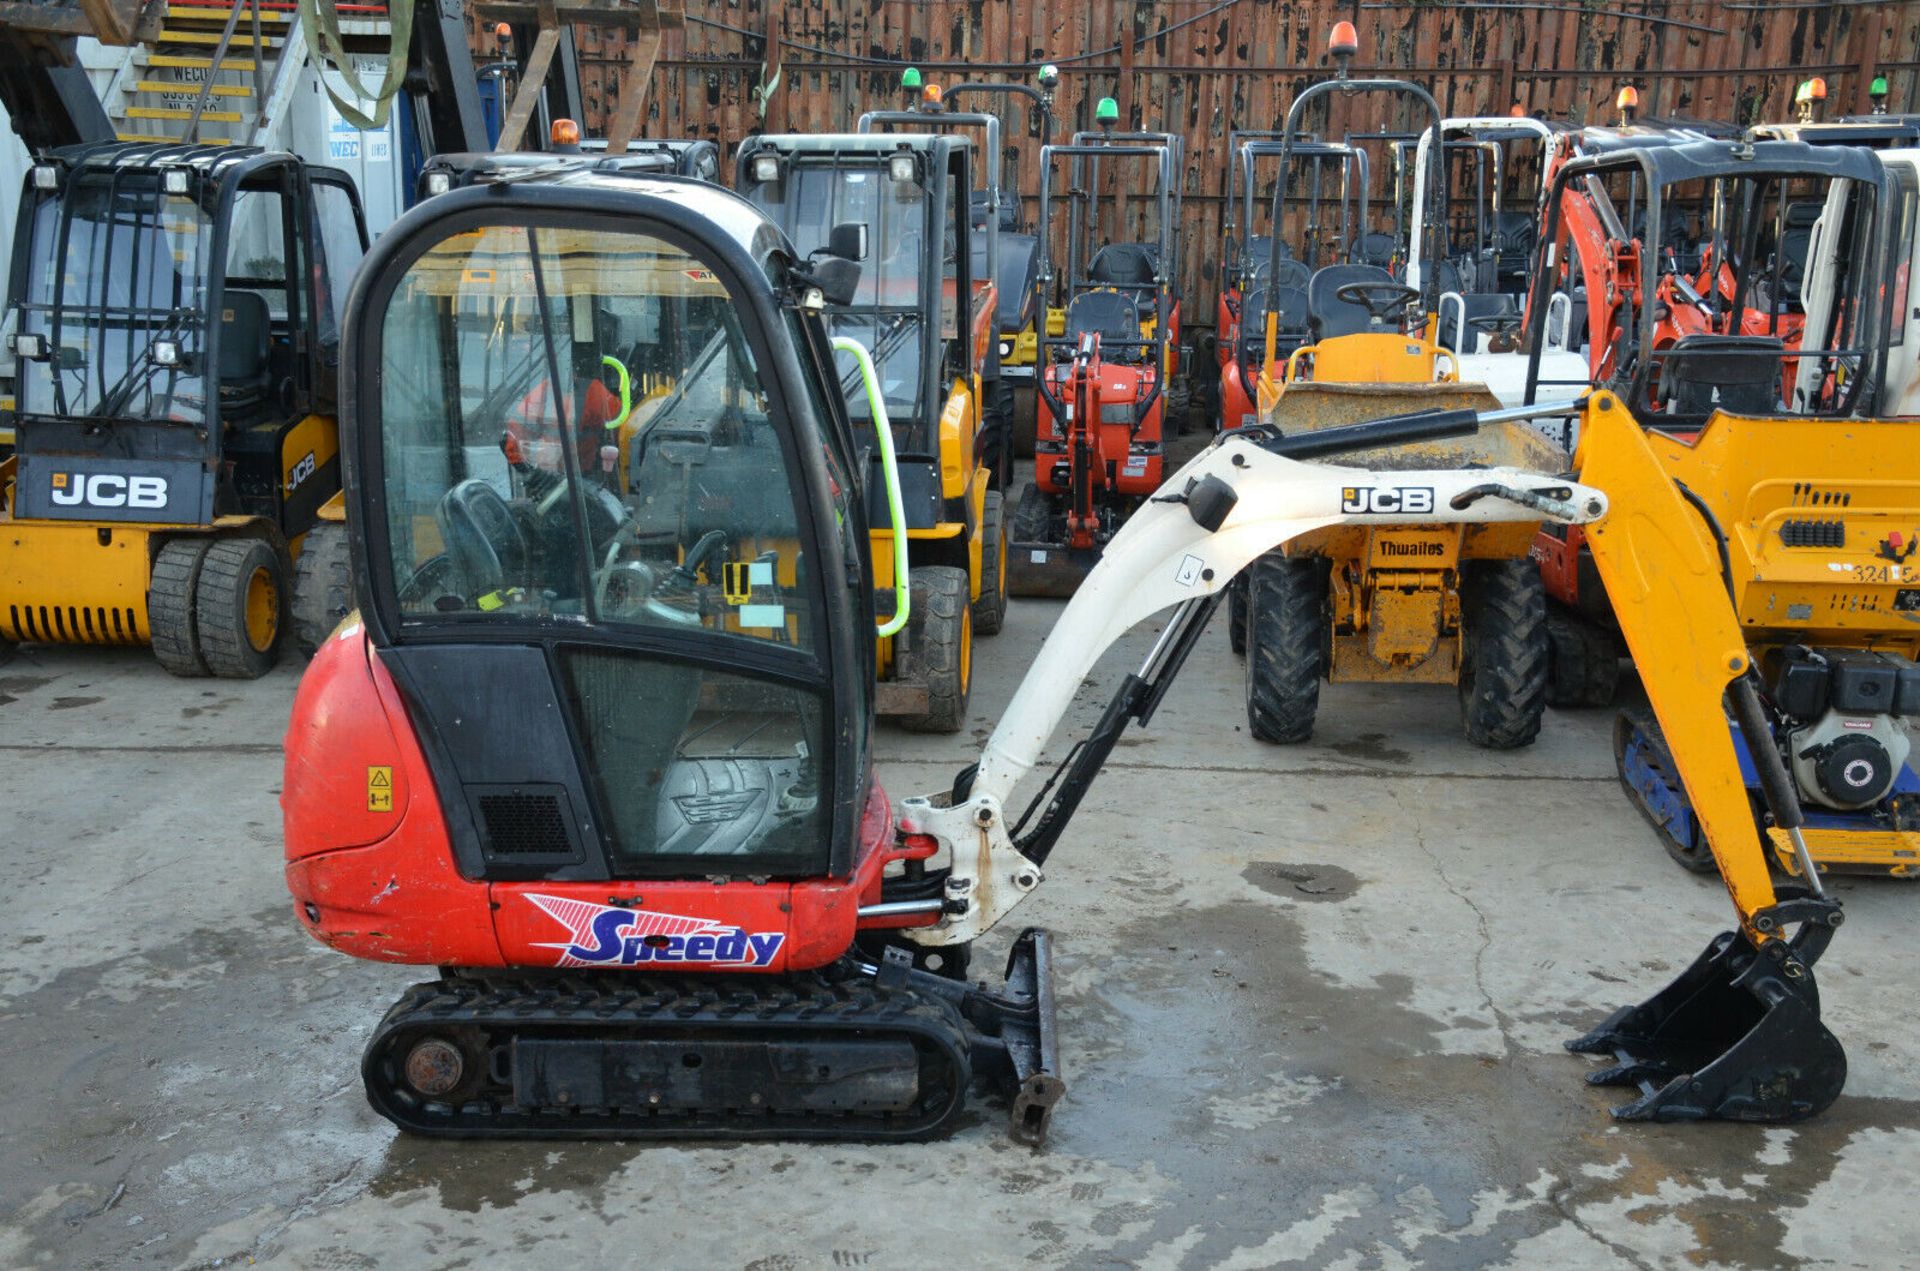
{"points": [[528, 96], [642, 50]]}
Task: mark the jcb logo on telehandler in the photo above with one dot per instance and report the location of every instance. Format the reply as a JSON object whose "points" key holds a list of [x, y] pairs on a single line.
{"points": [[1388, 498], [108, 490]]}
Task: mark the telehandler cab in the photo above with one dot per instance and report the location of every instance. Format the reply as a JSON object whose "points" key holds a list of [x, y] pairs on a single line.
{"points": [[599, 743], [930, 325], [176, 318]]}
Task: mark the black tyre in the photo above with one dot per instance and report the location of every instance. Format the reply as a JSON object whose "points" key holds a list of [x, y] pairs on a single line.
{"points": [[1031, 514], [322, 586], [990, 611], [942, 648], [1286, 630], [1026, 419], [1583, 666], [1237, 614], [240, 605], [1503, 675], [996, 427], [170, 606]]}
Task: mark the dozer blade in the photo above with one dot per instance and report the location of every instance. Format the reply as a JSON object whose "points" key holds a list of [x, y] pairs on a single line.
{"points": [[1047, 569], [1012, 1040], [1736, 1037]]}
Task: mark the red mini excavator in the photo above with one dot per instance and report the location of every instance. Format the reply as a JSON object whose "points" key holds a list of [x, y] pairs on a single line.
{"points": [[598, 742]]}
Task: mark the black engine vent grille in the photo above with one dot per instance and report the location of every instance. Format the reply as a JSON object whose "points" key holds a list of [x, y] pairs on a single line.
{"points": [[526, 824], [1823, 533]]}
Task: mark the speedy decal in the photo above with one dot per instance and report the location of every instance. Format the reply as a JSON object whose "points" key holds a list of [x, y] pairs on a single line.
{"points": [[610, 936]]}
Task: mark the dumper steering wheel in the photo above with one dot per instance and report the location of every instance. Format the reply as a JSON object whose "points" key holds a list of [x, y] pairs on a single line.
{"points": [[1383, 301]]}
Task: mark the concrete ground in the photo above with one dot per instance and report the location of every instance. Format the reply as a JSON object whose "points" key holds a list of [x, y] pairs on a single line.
{"points": [[1313, 1000]]}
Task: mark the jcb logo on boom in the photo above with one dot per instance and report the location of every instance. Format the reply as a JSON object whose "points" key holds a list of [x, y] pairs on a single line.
{"points": [[108, 490], [1386, 499]]}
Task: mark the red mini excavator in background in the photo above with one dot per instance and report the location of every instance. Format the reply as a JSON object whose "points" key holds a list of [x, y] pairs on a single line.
{"points": [[599, 745], [1102, 386]]}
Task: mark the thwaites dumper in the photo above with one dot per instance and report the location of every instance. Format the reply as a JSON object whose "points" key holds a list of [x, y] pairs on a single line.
{"points": [[1758, 374], [930, 325], [1102, 392], [1412, 603], [1322, 242], [176, 328], [599, 744]]}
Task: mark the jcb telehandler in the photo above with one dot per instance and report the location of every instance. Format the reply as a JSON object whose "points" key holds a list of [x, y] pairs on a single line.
{"points": [[176, 328], [1413, 602], [599, 744], [930, 325]]}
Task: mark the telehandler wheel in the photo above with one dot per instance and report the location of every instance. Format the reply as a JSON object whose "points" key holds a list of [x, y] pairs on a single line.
{"points": [[1237, 615], [942, 644], [996, 443], [170, 605], [1503, 673], [240, 606], [990, 611], [322, 586], [1583, 666], [1286, 645]]}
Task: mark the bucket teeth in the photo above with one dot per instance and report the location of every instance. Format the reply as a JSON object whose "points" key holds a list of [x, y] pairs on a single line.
{"points": [[1736, 1036]]}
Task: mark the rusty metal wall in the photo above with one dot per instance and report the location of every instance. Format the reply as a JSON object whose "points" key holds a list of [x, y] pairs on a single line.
{"points": [[1201, 67]]}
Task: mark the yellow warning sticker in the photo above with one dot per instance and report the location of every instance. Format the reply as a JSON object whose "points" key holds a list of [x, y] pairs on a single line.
{"points": [[736, 581], [379, 788]]}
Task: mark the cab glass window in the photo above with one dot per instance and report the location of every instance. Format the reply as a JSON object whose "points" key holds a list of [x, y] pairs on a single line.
{"points": [[574, 429]]}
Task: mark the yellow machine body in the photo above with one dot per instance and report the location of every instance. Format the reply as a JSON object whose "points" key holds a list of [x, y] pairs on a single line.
{"points": [[1394, 591], [1821, 518]]}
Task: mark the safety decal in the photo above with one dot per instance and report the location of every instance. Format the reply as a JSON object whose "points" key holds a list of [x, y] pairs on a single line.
{"points": [[379, 788], [613, 935], [1187, 573]]}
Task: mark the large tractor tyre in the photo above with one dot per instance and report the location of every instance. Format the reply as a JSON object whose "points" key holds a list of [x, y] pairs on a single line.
{"points": [[1503, 675], [990, 611], [170, 606], [1237, 614], [240, 606], [942, 644], [322, 586], [1583, 666], [1286, 630]]}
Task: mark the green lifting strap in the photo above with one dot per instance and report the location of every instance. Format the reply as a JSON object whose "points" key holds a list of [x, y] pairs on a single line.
{"points": [[320, 20]]}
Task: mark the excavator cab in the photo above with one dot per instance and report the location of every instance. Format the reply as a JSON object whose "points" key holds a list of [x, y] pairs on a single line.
{"points": [[930, 324], [176, 325]]}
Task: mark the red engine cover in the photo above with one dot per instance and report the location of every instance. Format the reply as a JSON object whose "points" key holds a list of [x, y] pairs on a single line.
{"points": [[1121, 385], [372, 871]]}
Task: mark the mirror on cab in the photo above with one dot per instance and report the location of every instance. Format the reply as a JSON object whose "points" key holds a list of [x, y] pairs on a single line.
{"points": [[836, 268]]}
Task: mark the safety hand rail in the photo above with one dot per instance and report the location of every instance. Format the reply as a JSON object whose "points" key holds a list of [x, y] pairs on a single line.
{"points": [[890, 468]]}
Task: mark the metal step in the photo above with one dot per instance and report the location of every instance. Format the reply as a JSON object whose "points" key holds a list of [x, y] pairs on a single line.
{"points": [[171, 141], [187, 61], [168, 112], [213, 37], [187, 87]]}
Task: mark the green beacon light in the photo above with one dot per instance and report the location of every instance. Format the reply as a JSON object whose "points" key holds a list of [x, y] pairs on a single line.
{"points": [[1878, 92], [910, 79], [1107, 112], [1049, 76]]}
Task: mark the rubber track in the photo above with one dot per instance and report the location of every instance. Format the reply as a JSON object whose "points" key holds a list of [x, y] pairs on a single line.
{"points": [[1694, 858], [650, 1008], [1504, 694], [1286, 621], [322, 586]]}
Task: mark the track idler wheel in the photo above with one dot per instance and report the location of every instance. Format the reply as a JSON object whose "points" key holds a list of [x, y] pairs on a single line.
{"points": [[1737, 1036]]}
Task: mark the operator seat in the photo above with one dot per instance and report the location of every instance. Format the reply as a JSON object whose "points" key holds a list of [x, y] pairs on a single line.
{"points": [[246, 353], [1292, 303], [1735, 373], [1372, 248], [1131, 266], [1327, 315], [1796, 242], [1114, 316]]}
